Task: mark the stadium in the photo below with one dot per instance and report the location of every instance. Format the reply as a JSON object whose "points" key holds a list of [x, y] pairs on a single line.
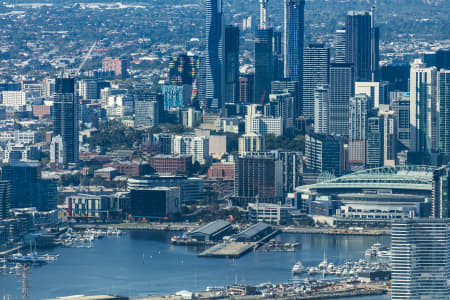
{"points": [[371, 196]]}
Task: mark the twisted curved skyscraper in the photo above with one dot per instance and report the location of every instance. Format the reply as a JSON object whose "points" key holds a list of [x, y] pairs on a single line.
{"points": [[294, 23], [214, 57]]}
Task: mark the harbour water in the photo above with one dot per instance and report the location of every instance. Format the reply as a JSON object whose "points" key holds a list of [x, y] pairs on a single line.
{"points": [[145, 263]]}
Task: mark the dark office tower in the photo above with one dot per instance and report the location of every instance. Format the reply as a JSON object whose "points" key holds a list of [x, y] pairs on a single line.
{"points": [[443, 94], [316, 72], [293, 39], [292, 87], [342, 88], [214, 58], [324, 153], [440, 207], [65, 117], [278, 64], [443, 59], [359, 44], [231, 64], [4, 199], [340, 46], [397, 75], [246, 88], [263, 65], [23, 180]]}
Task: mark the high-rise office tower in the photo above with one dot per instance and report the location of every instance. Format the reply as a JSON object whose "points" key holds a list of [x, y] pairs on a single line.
{"points": [[375, 141], [316, 72], [397, 74], [27, 188], [340, 45], [231, 64], [146, 113], [424, 118], [362, 45], [4, 199], [324, 153], [23, 178], [401, 107], [263, 57], [214, 57], [443, 59], [281, 106], [440, 205], [65, 117], [258, 178], [293, 42], [293, 38], [420, 259], [292, 167], [342, 88], [246, 88], [443, 94], [389, 137], [321, 109], [277, 51], [292, 87], [377, 91], [357, 142]]}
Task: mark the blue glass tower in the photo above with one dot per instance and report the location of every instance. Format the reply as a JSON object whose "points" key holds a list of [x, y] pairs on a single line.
{"points": [[294, 20], [214, 59]]}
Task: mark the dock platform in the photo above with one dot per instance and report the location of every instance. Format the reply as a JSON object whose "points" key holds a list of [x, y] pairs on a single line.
{"points": [[231, 250]]}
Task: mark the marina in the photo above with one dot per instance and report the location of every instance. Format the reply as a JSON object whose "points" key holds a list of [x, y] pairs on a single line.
{"points": [[106, 267]]}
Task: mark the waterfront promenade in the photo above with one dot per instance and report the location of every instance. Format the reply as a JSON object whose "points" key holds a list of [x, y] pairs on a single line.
{"points": [[192, 226], [350, 291]]}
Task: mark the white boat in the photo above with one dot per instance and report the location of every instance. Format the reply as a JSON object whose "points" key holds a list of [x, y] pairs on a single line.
{"points": [[298, 268]]}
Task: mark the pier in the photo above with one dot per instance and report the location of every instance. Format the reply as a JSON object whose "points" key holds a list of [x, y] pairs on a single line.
{"points": [[229, 249]]}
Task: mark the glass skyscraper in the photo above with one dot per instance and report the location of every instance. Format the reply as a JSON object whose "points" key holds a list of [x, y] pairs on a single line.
{"points": [[293, 42], [443, 90], [263, 65], [294, 23], [362, 45], [316, 73], [231, 64], [342, 88], [214, 58], [293, 38], [65, 117], [420, 251]]}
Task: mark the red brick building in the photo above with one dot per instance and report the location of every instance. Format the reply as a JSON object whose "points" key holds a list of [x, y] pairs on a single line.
{"points": [[221, 170], [171, 163], [42, 111], [130, 168]]}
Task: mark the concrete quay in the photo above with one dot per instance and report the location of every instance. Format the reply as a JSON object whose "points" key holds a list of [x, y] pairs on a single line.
{"points": [[231, 250], [142, 226], [335, 231], [353, 292]]}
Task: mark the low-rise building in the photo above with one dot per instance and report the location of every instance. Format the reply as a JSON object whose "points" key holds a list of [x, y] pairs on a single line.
{"points": [[268, 213]]}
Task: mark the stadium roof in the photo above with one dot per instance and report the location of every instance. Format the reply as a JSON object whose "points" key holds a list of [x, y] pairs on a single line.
{"points": [[398, 177]]}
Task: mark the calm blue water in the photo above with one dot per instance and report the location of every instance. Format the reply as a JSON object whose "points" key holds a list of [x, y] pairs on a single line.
{"points": [[116, 265]]}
